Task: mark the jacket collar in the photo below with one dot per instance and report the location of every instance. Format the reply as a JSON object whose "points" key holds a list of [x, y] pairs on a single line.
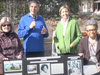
{"points": [[98, 43]]}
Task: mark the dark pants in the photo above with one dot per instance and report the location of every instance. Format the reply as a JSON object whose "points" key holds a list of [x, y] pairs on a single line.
{"points": [[67, 54], [33, 54]]}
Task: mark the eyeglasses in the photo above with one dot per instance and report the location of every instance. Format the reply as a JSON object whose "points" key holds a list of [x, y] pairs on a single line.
{"points": [[6, 25], [91, 30]]}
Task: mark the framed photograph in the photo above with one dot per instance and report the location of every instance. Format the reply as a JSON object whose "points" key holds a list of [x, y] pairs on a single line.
{"points": [[32, 68], [12, 65], [74, 67], [45, 69]]}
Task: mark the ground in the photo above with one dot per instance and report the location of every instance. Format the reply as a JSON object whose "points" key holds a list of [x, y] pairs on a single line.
{"points": [[51, 25]]}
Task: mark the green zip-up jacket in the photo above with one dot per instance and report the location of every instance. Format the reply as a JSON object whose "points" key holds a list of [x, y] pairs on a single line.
{"points": [[72, 36]]}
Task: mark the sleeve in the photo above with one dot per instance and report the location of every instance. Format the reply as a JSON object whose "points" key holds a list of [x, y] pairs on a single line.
{"points": [[22, 30], [20, 47], [1, 54], [56, 41], [47, 34], [78, 35], [80, 47]]}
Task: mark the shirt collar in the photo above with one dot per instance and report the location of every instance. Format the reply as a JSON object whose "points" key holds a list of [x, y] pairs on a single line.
{"points": [[92, 41], [66, 20], [31, 16], [3, 34]]}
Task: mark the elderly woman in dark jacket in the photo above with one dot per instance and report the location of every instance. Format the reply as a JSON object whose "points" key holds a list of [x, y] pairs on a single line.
{"points": [[10, 45], [89, 46]]}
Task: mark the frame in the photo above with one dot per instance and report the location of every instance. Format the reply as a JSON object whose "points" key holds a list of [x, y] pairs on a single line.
{"points": [[45, 69], [32, 68], [74, 67], [14, 65]]}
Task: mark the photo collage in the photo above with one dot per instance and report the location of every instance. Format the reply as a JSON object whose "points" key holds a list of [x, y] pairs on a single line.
{"points": [[56, 65]]}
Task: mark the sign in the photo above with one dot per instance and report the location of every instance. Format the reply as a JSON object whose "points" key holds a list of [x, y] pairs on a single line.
{"points": [[53, 65]]}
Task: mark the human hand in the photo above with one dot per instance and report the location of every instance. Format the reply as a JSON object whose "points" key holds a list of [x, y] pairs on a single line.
{"points": [[44, 31], [19, 56], [98, 68], [32, 25], [81, 54], [71, 45], [5, 58], [58, 47]]}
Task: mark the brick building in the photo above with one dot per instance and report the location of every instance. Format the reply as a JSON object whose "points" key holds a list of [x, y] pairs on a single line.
{"points": [[90, 5]]}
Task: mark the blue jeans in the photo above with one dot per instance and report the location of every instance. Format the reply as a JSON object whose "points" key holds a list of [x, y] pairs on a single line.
{"points": [[33, 54]]}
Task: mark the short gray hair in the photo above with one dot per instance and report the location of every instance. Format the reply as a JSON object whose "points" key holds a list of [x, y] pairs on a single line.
{"points": [[6, 19], [34, 1], [91, 22]]}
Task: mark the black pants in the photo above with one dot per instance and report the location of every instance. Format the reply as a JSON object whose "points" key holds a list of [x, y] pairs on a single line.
{"points": [[34, 54], [67, 54]]}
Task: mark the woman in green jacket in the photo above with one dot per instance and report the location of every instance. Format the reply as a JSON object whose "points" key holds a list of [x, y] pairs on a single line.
{"points": [[67, 34]]}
